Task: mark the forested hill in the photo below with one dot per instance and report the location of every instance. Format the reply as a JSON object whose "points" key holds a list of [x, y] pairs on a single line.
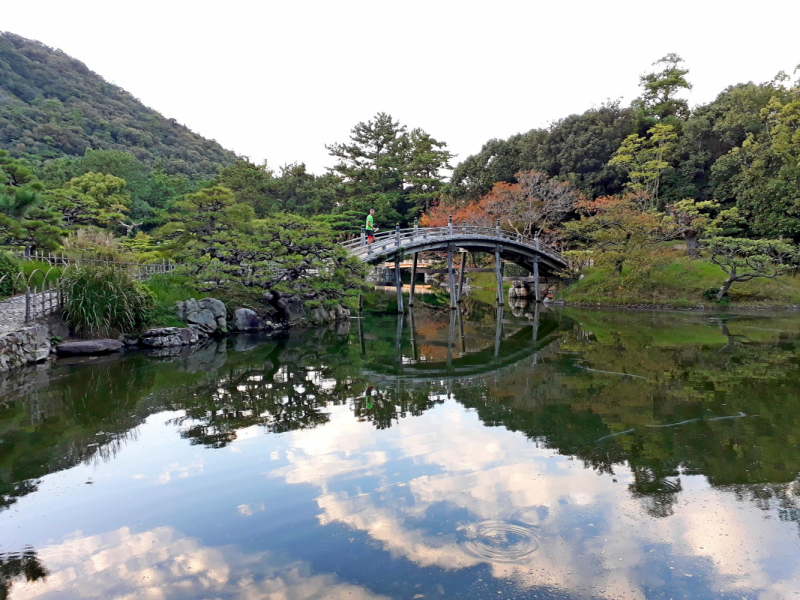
{"points": [[52, 105]]}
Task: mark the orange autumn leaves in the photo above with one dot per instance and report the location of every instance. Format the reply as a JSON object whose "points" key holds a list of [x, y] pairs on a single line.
{"points": [[534, 204]]}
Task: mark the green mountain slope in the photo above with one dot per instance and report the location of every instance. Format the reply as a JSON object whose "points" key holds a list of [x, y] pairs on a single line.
{"points": [[52, 105]]}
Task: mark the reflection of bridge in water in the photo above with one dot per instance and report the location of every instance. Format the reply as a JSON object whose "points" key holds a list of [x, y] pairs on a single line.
{"points": [[525, 342], [505, 245]]}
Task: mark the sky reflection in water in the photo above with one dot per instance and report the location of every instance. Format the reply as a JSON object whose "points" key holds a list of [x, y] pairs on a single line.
{"points": [[619, 456]]}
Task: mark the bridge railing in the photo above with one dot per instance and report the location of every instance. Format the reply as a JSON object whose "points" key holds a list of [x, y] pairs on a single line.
{"points": [[397, 238]]}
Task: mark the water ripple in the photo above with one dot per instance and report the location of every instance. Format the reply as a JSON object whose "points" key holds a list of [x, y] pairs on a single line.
{"points": [[499, 540]]}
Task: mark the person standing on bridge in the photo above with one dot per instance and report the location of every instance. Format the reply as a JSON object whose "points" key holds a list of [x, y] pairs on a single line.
{"points": [[370, 226]]}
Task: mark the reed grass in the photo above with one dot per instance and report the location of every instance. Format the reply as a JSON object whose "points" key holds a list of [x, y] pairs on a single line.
{"points": [[101, 300]]}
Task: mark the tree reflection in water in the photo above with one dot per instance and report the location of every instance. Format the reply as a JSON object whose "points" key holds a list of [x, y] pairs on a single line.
{"points": [[655, 393], [19, 566]]}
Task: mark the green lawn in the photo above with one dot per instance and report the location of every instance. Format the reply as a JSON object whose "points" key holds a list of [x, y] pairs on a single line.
{"points": [[680, 283]]}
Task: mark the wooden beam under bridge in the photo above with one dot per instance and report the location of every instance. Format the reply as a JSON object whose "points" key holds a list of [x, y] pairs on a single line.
{"points": [[443, 271]]}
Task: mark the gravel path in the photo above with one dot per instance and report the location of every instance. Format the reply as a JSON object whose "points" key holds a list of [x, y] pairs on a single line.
{"points": [[12, 313]]}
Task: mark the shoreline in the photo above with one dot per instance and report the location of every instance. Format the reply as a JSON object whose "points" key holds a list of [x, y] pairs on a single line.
{"points": [[644, 306]]}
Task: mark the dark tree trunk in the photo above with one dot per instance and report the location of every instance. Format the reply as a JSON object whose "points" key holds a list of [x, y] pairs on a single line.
{"points": [[724, 289], [692, 243]]}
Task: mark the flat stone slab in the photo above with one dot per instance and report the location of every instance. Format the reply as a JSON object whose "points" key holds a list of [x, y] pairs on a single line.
{"points": [[89, 347], [166, 337]]}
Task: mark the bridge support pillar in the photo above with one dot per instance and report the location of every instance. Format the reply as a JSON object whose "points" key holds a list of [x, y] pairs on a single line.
{"points": [[413, 278], [451, 279], [459, 297], [399, 283], [499, 274], [536, 272]]}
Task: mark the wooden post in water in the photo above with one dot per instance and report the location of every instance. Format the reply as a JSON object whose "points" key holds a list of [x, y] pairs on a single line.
{"points": [[398, 282], [398, 348], [536, 271], [499, 274], [412, 336], [499, 331], [413, 277], [451, 279], [461, 276], [535, 332], [361, 336], [461, 333], [450, 337]]}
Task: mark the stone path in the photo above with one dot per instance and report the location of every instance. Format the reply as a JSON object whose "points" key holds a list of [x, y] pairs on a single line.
{"points": [[12, 312]]}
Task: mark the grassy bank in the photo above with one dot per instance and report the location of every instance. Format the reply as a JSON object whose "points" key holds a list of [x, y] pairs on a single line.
{"points": [[680, 282], [167, 290]]}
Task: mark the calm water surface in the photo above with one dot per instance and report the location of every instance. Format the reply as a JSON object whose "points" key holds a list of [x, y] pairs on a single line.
{"points": [[578, 455]]}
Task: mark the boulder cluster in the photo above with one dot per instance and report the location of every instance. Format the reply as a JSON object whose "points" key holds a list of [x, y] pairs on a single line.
{"points": [[206, 318], [521, 290]]}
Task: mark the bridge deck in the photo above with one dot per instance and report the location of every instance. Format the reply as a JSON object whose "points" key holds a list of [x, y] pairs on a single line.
{"points": [[472, 238]]}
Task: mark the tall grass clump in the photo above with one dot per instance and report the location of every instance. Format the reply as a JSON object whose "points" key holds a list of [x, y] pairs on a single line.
{"points": [[99, 300]]}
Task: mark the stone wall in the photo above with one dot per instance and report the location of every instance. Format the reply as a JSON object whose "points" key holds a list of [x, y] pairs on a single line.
{"points": [[29, 344]]}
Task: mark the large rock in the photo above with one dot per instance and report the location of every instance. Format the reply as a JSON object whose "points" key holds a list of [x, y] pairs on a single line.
{"points": [[26, 345], [167, 337], [202, 320], [217, 308], [187, 307], [321, 315], [245, 319], [206, 315], [89, 347], [292, 308]]}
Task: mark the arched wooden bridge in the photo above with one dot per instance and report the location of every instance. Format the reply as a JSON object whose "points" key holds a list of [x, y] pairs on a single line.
{"points": [[512, 247]]}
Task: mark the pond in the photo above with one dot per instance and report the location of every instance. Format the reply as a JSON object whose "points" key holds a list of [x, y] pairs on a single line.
{"points": [[556, 454]]}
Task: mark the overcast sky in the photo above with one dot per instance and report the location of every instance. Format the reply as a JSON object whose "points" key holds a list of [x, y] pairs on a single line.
{"points": [[277, 80]]}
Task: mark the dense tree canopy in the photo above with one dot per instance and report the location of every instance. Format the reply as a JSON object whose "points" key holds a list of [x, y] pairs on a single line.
{"points": [[230, 251], [24, 219], [389, 169]]}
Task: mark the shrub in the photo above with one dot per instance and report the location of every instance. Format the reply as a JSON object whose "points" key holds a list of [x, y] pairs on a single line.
{"points": [[101, 299], [35, 272], [514, 270], [711, 294], [9, 269]]}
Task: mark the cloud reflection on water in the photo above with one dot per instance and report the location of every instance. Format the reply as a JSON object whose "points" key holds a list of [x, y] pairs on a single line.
{"points": [[592, 531], [160, 563]]}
